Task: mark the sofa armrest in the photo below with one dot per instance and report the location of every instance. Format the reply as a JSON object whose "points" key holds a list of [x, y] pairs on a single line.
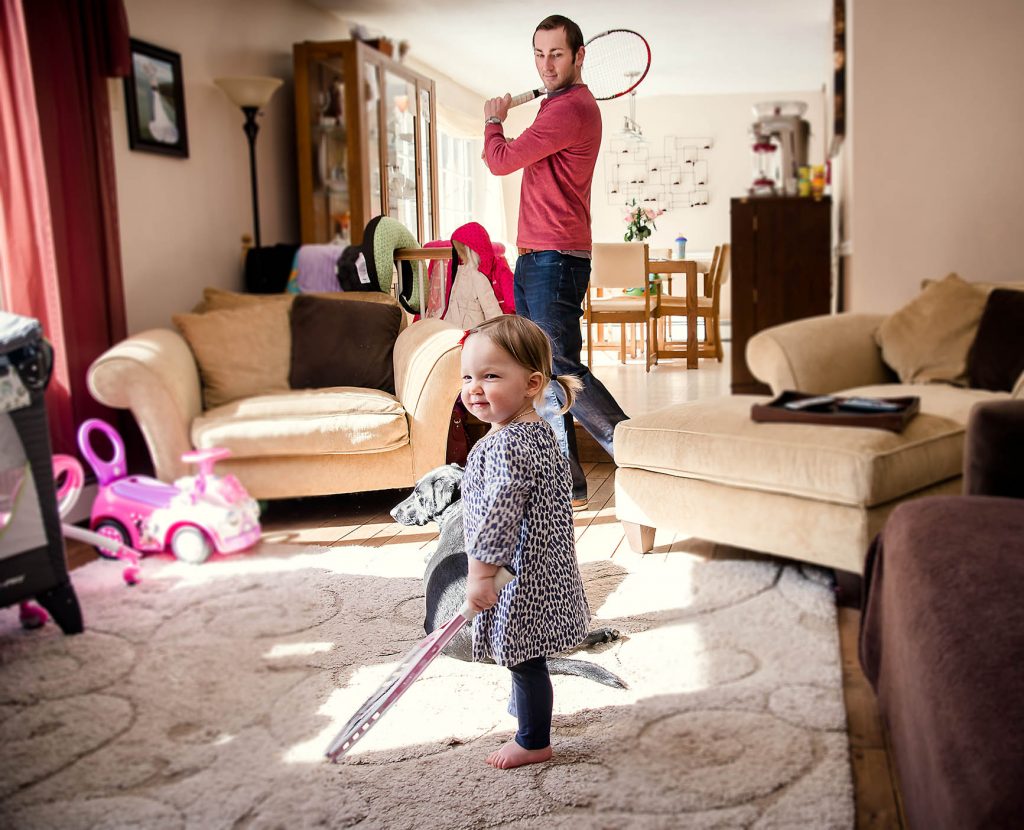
{"points": [[427, 381], [820, 354], [994, 455], [154, 375]]}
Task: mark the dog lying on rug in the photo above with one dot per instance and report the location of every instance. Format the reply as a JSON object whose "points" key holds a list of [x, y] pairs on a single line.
{"points": [[437, 498]]}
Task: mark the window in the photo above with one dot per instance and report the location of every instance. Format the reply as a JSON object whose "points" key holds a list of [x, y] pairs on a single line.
{"points": [[457, 184]]}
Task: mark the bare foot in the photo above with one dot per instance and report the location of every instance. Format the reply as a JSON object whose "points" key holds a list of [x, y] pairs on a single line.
{"points": [[513, 755]]}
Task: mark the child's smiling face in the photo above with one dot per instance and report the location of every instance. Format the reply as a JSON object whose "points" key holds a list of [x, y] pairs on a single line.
{"points": [[495, 387]]}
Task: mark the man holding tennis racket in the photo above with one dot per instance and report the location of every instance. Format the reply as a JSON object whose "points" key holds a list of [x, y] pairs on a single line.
{"points": [[557, 155]]}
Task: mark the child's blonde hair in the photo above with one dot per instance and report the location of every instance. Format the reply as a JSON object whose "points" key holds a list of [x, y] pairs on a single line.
{"points": [[530, 347]]}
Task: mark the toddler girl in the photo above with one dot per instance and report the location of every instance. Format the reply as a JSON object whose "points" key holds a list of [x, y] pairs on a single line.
{"points": [[517, 513]]}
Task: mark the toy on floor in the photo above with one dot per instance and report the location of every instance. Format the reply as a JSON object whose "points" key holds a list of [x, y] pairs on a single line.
{"points": [[192, 518], [31, 615], [69, 478]]}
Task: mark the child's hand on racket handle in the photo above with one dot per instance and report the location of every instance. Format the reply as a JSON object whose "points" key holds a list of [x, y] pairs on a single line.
{"points": [[482, 591]]}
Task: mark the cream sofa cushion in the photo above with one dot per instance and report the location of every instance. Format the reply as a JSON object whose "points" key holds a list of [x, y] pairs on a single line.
{"points": [[240, 351], [309, 422], [716, 441], [929, 338], [936, 398]]}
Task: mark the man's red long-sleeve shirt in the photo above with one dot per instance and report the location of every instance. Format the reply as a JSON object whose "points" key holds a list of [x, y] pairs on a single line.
{"points": [[557, 154]]}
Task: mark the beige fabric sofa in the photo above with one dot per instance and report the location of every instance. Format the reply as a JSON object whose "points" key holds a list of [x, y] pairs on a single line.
{"points": [[296, 442], [814, 493]]}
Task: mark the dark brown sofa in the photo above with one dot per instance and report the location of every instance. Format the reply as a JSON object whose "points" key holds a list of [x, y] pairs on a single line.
{"points": [[942, 636]]}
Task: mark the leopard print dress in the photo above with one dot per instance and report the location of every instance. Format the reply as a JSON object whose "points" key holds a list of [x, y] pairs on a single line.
{"points": [[517, 513]]}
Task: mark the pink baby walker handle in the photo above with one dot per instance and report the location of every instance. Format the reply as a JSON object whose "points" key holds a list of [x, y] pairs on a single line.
{"points": [[106, 471], [70, 477]]}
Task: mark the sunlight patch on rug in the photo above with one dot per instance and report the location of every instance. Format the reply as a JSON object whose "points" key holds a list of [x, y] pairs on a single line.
{"points": [[206, 696]]}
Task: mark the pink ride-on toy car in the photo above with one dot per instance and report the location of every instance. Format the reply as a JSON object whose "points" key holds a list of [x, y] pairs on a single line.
{"points": [[192, 518]]}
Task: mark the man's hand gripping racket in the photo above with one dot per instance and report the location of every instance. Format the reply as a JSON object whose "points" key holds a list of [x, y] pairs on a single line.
{"points": [[411, 667]]}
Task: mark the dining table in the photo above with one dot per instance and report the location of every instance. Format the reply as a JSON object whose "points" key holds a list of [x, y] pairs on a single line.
{"points": [[689, 268]]}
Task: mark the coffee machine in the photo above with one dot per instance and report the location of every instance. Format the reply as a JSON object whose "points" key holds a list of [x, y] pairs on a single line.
{"points": [[781, 136]]}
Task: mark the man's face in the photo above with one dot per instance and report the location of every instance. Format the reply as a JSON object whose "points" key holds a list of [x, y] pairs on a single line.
{"points": [[555, 62]]}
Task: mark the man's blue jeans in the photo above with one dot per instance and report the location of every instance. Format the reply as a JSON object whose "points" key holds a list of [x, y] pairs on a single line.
{"points": [[549, 290]]}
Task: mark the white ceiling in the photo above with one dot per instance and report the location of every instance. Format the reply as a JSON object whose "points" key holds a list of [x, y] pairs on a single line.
{"points": [[698, 47]]}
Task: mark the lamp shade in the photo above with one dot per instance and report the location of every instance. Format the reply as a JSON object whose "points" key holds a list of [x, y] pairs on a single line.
{"points": [[251, 91]]}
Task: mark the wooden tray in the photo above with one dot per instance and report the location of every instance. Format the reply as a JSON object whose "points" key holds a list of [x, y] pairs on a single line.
{"points": [[831, 415]]}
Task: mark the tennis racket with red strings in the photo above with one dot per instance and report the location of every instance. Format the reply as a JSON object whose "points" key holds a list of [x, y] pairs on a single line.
{"points": [[615, 63], [414, 664]]}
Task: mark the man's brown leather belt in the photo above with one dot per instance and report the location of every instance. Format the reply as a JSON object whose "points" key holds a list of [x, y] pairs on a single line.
{"points": [[525, 251]]}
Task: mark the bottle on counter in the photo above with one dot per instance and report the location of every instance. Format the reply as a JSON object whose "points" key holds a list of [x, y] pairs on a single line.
{"points": [[680, 247], [818, 180], [804, 183]]}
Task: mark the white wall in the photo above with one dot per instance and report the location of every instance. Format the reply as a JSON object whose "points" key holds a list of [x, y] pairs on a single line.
{"points": [[934, 156], [726, 119], [182, 219]]}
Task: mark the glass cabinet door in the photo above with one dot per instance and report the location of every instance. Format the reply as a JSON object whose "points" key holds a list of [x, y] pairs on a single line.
{"points": [[400, 123], [427, 232], [371, 112], [365, 142], [329, 134]]}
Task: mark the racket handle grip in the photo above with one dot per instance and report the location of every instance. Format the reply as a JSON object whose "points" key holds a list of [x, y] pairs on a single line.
{"points": [[502, 578], [523, 97]]}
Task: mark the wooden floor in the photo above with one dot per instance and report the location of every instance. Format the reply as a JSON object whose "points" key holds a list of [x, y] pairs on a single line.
{"points": [[363, 519]]}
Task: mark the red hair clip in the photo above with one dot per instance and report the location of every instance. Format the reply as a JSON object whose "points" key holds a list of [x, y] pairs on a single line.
{"points": [[465, 334]]}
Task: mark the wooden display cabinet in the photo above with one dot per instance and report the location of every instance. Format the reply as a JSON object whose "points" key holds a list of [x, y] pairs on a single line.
{"points": [[366, 134], [781, 270]]}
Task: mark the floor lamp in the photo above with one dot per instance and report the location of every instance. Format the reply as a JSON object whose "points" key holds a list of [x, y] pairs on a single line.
{"points": [[250, 93]]}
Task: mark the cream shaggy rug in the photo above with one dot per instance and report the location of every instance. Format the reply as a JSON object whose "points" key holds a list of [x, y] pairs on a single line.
{"points": [[205, 696]]}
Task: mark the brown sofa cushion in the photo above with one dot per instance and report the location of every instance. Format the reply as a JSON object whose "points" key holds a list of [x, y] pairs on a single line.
{"points": [[339, 343], [996, 359], [239, 351], [928, 339], [940, 643]]}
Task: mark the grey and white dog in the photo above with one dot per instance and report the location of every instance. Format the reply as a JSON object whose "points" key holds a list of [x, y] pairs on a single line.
{"points": [[437, 498]]}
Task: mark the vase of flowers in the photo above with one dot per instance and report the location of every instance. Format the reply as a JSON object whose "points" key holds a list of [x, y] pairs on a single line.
{"points": [[640, 222]]}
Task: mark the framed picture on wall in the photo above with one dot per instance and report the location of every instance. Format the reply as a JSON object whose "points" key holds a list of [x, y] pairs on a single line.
{"points": [[155, 101]]}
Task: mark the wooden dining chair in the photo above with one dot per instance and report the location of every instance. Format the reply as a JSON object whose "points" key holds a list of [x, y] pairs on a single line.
{"points": [[708, 309], [620, 265]]}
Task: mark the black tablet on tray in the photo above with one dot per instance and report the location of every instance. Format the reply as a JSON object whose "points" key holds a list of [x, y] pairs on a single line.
{"points": [[835, 410]]}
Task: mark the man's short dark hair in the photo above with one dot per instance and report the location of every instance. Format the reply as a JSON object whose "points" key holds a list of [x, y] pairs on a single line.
{"points": [[572, 31]]}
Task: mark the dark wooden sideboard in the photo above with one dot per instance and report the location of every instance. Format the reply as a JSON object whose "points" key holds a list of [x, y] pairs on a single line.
{"points": [[781, 270]]}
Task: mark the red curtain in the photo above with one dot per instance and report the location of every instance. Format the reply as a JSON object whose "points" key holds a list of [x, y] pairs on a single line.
{"points": [[28, 268], [66, 268]]}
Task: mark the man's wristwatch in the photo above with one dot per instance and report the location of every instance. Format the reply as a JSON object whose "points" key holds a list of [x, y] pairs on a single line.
{"points": [[493, 119]]}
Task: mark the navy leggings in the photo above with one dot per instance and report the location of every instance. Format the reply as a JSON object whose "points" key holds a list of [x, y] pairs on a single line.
{"points": [[531, 702]]}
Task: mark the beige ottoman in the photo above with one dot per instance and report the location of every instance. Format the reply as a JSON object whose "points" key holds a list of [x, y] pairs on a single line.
{"points": [[814, 493]]}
